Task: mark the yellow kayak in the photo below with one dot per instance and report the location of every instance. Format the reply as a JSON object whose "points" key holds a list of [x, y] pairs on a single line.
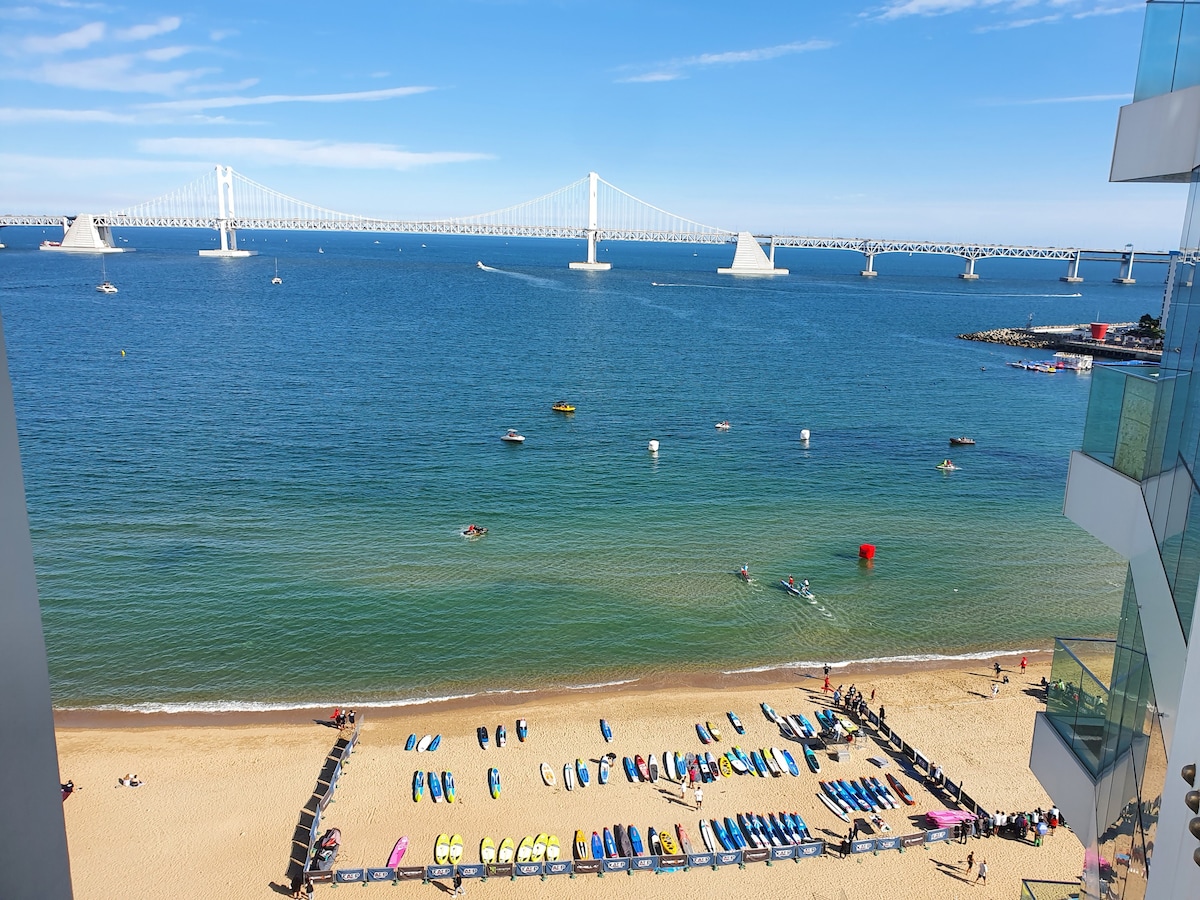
{"points": [[563, 406]]}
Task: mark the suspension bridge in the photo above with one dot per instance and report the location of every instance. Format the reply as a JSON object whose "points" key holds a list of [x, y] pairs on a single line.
{"points": [[589, 209]]}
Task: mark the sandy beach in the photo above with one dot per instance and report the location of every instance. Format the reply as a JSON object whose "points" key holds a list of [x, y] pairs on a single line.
{"points": [[223, 794]]}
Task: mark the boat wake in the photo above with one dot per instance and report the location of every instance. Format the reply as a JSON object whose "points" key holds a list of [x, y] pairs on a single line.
{"points": [[521, 276]]}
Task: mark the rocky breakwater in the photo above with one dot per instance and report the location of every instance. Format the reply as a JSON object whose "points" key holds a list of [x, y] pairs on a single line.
{"points": [[1014, 337]]}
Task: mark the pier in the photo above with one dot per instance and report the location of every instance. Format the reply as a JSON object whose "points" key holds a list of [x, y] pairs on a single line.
{"points": [[590, 209]]}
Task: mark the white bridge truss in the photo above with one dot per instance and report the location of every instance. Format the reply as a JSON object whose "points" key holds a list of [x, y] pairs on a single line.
{"points": [[590, 208]]}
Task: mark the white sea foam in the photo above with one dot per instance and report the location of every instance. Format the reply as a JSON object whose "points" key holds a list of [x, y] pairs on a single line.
{"points": [[599, 684], [883, 660]]}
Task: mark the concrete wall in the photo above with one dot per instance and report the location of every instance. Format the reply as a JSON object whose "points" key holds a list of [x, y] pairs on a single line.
{"points": [[36, 848]]}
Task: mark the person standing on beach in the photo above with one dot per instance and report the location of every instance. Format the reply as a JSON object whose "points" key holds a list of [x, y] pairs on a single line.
{"points": [[996, 665], [826, 689], [699, 797], [827, 672], [1024, 663], [970, 861], [882, 715], [458, 887], [982, 876], [995, 690], [683, 786]]}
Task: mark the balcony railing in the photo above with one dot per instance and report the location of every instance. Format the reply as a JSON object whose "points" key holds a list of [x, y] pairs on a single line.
{"points": [[1077, 698], [1121, 430], [1168, 60], [1050, 890]]}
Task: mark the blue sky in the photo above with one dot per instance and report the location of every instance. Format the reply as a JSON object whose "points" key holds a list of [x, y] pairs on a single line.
{"points": [[923, 119]]}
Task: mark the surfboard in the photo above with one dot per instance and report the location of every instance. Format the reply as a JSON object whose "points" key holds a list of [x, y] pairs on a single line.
{"points": [[779, 759], [501, 736], [456, 849], [553, 849], [569, 776], [656, 848], [435, 787], [522, 730], [418, 786], [702, 732], [424, 743], [441, 849], [770, 713], [581, 845], [547, 774], [735, 763], [769, 759], [736, 722], [506, 851], [435, 743], [538, 851], [635, 841], [597, 846], [685, 843], [525, 849], [487, 851], [833, 807], [680, 766], [723, 838], [725, 766], [606, 731], [652, 767], [630, 769], [398, 852], [448, 786], [482, 733], [741, 839], [713, 769], [605, 765], [706, 836], [900, 789], [610, 845], [621, 836], [494, 783], [411, 742], [811, 759], [643, 769], [669, 847], [581, 771], [713, 730], [791, 762], [759, 764]]}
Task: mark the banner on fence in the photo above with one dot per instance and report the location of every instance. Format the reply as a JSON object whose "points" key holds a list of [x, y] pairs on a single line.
{"points": [[615, 865], [814, 849], [866, 845], [912, 840], [937, 834], [587, 866], [700, 859], [783, 853], [887, 843], [755, 854], [349, 876], [325, 877], [500, 871], [435, 872], [728, 858], [643, 863], [471, 870], [525, 869], [672, 861], [558, 867], [381, 874]]}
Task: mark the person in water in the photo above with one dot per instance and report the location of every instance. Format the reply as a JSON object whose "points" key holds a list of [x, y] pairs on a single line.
{"points": [[791, 581]]}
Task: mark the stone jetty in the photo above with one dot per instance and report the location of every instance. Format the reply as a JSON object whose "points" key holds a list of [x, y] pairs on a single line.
{"points": [[1014, 337]]}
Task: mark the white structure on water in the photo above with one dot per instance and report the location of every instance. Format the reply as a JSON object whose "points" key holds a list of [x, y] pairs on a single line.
{"points": [[84, 236]]}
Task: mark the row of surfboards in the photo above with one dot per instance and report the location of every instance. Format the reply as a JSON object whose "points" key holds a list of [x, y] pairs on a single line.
{"points": [[442, 787], [868, 794], [482, 735], [429, 742]]}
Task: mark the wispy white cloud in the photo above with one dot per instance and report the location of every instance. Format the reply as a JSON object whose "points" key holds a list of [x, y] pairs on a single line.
{"points": [[325, 154], [1109, 10], [122, 72], [900, 9], [81, 37], [1018, 23], [225, 102], [677, 68], [13, 115], [143, 32], [1085, 98], [220, 34]]}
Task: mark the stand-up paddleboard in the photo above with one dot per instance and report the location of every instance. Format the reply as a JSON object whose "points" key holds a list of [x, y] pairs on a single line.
{"points": [[736, 722], [605, 765], [505, 852], [668, 766], [723, 838], [770, 713], [569, 776], [811, 759], [501, 736], [741, 839], [685, 843], [435, 743], [581, 771], [547, 774], [610, 845], [398, 852], [621, 836], [713, 730], [411, 742], [456, 849], [900, 789], [423, 744], [706, 836], [538, 852], [418, 786], [630, 769], [833, 807], [441, 849], [797, 726], [553, 849], [669, 847], [702, 732], [780, 760], [656, 848], [790, 588], [581, 846], [482, 733], [448, 786], [597, 846], [725, 766], [487, 851], [769, 759], [759, 764], [735, 763], [643, 769], [605, 730], [494, 783], [713, 769], [635, 841], [435, 787], [808, 726], [525, 849], [791, 762], [522, 730], [652, 767], [681, 766]]}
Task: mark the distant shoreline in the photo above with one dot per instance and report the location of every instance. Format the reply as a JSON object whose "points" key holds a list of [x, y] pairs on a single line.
{"points": [[1035, 339]]}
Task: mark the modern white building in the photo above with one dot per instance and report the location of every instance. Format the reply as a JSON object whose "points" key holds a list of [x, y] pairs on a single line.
{"points": [[1118, 743]]}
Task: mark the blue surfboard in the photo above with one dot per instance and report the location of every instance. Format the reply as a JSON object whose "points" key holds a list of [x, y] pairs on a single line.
{"points": [[605, 730], [411, 742], [435, 787], [581, 770], [597, 846], [631, 770], [791, 763], [636, 840], [723, 836], [610, 845], [437, 740]]}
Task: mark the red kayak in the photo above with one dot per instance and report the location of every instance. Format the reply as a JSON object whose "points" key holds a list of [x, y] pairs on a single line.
{"points": [[643, 769], [899, 789]]}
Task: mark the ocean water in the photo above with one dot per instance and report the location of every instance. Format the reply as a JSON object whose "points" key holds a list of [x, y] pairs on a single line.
{"points": [[260, 502]]}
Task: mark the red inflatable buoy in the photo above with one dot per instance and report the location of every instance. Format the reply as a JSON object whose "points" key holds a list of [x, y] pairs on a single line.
{"points": [[866, 551]]}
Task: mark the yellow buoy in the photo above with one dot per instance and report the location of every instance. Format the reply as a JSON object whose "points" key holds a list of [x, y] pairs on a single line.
{"points": [[122, 352]]}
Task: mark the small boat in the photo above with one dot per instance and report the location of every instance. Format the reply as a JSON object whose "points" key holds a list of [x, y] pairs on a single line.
{"points": [[744, 574], [474, 531], [512, 436], [723, 426], [947, 466], [962, 441], [105, 286], [277, 279], [563, 406]]}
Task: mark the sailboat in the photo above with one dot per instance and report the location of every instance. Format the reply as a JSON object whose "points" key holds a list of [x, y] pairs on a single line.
{"points": [[277, 279], [105, 286]]}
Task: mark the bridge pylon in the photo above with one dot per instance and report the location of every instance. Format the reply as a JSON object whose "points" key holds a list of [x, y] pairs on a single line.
{"points": [[225, 218], [593, 231]]}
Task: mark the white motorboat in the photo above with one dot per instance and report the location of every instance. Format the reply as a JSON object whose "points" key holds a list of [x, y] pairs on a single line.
{"points": [[513, 437], [723, 426]]}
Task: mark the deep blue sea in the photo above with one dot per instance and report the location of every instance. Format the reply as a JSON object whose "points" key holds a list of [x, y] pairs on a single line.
{"points": [[260, 502]]}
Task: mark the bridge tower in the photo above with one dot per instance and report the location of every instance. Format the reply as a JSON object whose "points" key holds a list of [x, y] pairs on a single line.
{"points": [[593, 230], [225, 217]]}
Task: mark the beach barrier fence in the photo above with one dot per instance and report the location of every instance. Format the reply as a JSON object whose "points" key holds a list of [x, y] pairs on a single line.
{"points": [[340, 755]]}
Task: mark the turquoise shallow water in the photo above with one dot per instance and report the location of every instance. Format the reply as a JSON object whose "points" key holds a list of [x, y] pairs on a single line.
{"points": [[260, 503]]}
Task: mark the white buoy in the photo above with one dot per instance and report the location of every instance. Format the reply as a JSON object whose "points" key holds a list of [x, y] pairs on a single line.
{"points": [[652, 446], [804, 435]]}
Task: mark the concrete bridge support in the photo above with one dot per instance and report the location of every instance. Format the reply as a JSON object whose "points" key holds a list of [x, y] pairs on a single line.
{"points": [[593, 231], [749, 258], [1072, 276], [225, 217], [1126, 276], [869, 271], [969, 274]]}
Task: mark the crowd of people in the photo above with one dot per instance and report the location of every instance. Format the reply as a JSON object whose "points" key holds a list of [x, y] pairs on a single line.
{"points": [[1021, 826]]}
